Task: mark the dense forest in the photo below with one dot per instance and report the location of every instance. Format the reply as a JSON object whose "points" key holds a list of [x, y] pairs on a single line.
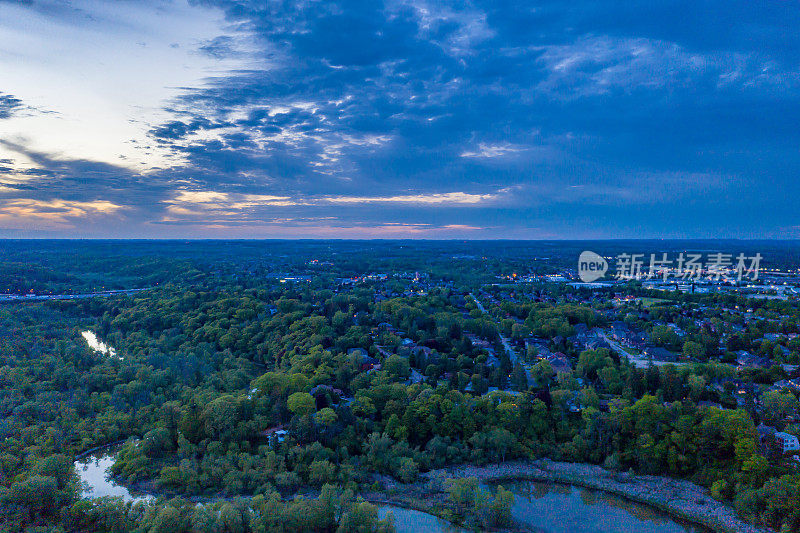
{"points": [[277, 382]]}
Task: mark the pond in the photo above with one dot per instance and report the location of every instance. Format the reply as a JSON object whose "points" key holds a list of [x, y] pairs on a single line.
{"points": [[94, 470], [555, 508]]}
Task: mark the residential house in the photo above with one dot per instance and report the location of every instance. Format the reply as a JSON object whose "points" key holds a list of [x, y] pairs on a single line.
{"points": [[660, 354], [366, 363], [382, 351], [279, 433], [559, 362], [537, 344], [421, 350], [415, 377], [792, 384], [788, 441], [619, 330], [358, 352], [745, 359]]}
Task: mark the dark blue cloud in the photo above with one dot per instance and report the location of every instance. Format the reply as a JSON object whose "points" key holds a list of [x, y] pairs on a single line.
{"points": [[673, 118]]}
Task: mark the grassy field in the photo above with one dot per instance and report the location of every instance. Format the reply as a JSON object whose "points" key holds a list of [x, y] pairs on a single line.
{"points": [[650, 302]]}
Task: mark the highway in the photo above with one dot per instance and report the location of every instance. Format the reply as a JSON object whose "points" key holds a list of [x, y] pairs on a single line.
{"points": [[16, 298]]}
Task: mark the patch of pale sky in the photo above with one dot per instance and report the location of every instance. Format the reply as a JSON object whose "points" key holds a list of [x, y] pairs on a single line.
{"points": [[103, 81]]}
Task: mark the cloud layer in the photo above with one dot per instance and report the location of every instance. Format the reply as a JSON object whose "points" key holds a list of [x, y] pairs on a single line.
{"points": [[437, 119]]}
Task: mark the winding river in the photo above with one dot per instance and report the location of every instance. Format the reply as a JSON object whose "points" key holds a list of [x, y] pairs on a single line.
{"points": [[539, 507]]}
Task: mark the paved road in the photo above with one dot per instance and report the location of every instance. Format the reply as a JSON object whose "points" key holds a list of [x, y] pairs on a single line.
{"points": [[509, 350], [479, 304], [638, 361], [13, 298], [512, 355]]}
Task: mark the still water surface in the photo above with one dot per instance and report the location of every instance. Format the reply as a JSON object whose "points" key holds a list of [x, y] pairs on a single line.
{"points": [[95, 470], [541, 507], [411, 521], [555, 508]]}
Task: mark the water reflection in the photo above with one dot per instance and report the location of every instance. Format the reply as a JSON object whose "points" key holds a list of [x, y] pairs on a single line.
{"points": [[556, 508], [411, 521], [94, 471], [541, 507]]}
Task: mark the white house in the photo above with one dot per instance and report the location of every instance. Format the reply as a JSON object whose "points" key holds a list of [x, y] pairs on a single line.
{"points": [[789, 442]]}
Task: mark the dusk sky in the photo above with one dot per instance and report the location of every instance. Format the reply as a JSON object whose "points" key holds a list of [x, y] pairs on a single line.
{"points": [[399, 119]]}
